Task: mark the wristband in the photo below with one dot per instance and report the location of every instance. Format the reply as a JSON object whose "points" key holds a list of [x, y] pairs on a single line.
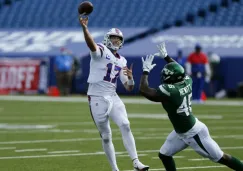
{"points": [[130, 82], [145, 72]]}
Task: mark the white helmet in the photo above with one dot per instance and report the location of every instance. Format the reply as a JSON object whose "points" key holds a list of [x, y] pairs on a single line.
{"points": [[113, 32]]}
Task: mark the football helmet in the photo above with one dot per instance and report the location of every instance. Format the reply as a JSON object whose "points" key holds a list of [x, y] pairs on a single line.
{"points": [[172, 73], [107, 41]]}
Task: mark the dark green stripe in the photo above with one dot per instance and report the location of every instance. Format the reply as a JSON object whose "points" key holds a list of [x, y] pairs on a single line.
{"points": [[197, 139]]}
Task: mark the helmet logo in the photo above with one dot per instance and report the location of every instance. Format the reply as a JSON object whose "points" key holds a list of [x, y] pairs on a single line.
{"points": [[117, 31], [168, 72]]}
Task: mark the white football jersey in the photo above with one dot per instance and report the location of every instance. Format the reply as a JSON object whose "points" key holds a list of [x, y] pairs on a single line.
{"points": [[105, 69]]}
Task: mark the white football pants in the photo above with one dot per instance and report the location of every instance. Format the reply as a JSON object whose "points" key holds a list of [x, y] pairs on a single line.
{"points": [[202, 143]]}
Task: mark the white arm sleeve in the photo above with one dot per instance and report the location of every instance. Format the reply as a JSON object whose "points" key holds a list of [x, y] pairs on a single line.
{"points": [[123, 77], [188, 68], [207, 69], [98, 53]]}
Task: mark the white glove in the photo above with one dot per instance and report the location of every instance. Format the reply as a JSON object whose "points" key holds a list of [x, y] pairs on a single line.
{"points": [[147, 63], [207, 79], [162, 50]]}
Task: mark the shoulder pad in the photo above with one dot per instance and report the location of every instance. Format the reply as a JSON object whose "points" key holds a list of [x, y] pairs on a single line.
{"points": [[100, 45]]}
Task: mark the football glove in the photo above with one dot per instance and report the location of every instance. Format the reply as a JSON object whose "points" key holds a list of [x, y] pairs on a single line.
{"points": [[207, 79], [162, 50], [147, 63]]}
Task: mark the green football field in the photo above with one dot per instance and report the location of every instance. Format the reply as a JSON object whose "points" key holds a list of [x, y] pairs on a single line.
{"points": [[60, 136]]}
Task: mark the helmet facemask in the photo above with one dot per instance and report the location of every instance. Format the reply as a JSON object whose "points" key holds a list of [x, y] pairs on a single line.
{"points": [[111, 37]]}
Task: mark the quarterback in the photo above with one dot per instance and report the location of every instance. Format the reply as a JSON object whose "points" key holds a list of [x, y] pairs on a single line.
{"points": [[106, 66], [175, 94]]}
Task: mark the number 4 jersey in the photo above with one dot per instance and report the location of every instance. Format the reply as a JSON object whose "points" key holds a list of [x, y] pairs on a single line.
{"points": [[177, 103], [105, 69]]}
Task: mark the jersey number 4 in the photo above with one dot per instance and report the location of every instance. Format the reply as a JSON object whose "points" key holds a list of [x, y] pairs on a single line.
{"points": [[111, 67], [185, 106]]}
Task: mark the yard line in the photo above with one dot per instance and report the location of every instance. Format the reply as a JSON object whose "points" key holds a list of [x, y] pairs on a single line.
{"points": [[59, 152], [46, 156], [223, 148], [30, 150], [27, 118], [95, 153], [7, 148], [201, 159], [126, 155], [159, 131], [189, 168], [98, 139], [175, 157], [44, 131], [125, 100], [232, 121], [22, 126], [189, 149], [165, 116]]}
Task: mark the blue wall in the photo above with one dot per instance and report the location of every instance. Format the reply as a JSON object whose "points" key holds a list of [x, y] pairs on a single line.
{"points": [[230, 69]]}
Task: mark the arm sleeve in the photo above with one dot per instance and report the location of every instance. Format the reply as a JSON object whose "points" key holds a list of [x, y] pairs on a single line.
{"points": [[188, 65], [163, 91], [188, 68], [207, 69], [98, 53], [123, 77]]}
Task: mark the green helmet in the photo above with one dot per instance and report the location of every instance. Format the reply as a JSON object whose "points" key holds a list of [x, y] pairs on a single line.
{"points": [[172, 73]]}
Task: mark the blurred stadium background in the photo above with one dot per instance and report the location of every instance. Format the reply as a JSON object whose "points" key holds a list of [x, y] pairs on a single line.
{"points": [[31, 35], [36, 30]]}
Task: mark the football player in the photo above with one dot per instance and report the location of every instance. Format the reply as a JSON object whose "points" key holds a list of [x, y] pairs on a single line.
{"points": [[175, 94], [106, 66]]}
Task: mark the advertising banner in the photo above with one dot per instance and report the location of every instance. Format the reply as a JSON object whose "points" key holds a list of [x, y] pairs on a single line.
{"points": [[19, 75], [223, 41], [39, 42]]}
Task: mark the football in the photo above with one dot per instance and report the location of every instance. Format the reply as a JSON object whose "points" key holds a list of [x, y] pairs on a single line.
{"points": [[85, 8]]}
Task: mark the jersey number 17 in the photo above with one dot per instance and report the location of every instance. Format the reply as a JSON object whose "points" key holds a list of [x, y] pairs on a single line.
{"points": [[111, 67]]}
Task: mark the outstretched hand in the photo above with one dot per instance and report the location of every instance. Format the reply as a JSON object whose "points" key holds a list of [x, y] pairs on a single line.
{"points": [[147, 63], [162, 50]]}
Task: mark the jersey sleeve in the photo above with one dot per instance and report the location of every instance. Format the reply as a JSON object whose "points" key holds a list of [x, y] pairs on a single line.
{"points": [[123, 77], [98, 53], [164, 90]]}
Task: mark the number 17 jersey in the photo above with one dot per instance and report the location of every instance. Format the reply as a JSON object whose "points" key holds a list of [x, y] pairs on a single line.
{"points": [[105, 69], [177, 104]]}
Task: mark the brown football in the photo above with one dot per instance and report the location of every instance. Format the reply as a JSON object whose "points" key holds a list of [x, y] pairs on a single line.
{"points": [[85, 8]]}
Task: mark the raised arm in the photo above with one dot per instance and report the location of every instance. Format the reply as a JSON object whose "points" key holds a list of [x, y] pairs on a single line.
{"points": [[163, 53], [145, 90], [87, 36]]}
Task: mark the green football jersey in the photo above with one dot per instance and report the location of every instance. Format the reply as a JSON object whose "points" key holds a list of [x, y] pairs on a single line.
{"points": [[178, 104]]}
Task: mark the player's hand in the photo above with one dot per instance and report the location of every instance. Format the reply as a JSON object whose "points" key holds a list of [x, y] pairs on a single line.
{"points": [[128, 72], [147, 63], [83, 19], [162, 50]]}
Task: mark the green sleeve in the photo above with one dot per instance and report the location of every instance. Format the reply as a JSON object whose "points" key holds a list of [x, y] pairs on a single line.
{"points": [[164, 90]]}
